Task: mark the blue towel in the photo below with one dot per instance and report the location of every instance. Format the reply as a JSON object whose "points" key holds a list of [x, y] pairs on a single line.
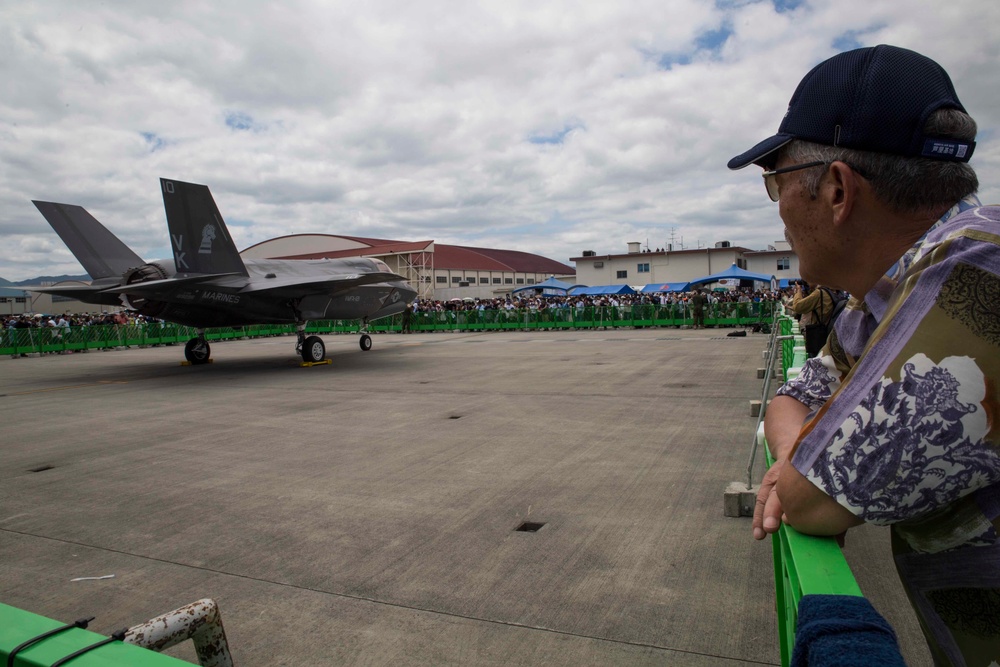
{"points": [[843, 631]]}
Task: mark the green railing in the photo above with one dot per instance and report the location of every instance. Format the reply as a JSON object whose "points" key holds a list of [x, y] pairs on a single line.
{"points": [[75, 339], [803, 564], [18, 626]]}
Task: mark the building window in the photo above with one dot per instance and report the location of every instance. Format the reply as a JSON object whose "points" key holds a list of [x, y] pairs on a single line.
{"points": [[456, 279], [520, 281], [508, 281], [622, 274], [3, 299], [496, 281], [642, 268], [741, 263], [598, 265], [442, 279], [427, 279], [784, 264], [484, 281], [20, 299]]}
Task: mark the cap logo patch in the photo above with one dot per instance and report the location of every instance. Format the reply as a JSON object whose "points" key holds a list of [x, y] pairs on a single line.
{"points": [[942, 149]]}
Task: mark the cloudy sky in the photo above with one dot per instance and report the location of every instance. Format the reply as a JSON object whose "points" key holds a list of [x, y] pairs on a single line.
{"points": [[549, 127]]}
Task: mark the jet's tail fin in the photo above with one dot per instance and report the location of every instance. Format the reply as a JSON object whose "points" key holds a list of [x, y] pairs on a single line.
{"points": [[101, 253], [198, 236]]}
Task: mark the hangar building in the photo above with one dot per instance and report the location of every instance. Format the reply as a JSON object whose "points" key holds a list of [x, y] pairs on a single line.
{"points": [[438, 271]]}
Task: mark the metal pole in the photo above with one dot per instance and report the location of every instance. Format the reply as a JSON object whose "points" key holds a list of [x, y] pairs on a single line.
{"points": [[768, 372]]}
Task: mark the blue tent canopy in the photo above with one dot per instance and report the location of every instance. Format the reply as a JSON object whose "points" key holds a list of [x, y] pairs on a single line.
{"points": [[602, 289], [548, 287], [666, 287], [733, 273]]}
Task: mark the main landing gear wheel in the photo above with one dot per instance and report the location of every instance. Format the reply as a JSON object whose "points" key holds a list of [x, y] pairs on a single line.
{"points": [[366, 342], [313, 349], [197, 351]]}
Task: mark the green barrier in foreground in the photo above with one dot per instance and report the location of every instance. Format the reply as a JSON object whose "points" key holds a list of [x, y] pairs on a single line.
{"points": [[803, 564], [18, 626]]}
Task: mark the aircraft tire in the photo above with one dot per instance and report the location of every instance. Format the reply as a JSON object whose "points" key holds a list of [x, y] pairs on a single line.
{"points": [[365, 342], [197, 351], [313, 349]]}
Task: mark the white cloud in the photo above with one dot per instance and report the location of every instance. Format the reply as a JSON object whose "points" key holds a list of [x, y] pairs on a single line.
{"points": [[549, 128]]}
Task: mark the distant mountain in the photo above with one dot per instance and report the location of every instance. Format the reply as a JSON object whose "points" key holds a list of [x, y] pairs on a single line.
{"points": [[41, 280]]}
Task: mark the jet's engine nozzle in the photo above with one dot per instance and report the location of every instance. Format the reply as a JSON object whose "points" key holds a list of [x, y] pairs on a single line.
{"points": [[142, 274]]}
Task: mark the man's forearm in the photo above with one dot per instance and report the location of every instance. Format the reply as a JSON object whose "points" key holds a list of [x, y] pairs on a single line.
{"points": [[782, 423]]}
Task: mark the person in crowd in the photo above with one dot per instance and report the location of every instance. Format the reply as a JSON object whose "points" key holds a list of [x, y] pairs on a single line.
{"points": [[814, 309], [407, 318], [895, 421], [698, 302]]}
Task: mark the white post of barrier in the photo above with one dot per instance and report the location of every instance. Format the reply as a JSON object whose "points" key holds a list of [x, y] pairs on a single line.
{"points": [[199, 621]]}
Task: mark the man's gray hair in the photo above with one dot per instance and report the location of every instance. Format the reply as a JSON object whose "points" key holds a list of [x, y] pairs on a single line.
{"points": [[905, 184]]}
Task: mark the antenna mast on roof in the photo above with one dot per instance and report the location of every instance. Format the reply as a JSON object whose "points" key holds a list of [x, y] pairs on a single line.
{"points": [[674, 244]]}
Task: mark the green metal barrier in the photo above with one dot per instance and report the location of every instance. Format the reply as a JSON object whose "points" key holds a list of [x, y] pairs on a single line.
{"points": [[83, 338], [803, 564], [18, 626]]}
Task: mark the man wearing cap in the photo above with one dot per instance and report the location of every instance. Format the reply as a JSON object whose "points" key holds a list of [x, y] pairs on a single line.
{"points": [[897, 420]]}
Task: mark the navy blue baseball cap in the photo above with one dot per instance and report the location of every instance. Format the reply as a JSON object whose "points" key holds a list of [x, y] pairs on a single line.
{"points": [[872, 99]]}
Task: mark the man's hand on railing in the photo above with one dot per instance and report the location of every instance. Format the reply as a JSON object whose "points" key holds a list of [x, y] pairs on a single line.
{"points": [[767, 512]]}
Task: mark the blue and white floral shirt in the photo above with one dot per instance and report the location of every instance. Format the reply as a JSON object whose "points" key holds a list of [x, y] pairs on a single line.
{"points": [[905, 428]]}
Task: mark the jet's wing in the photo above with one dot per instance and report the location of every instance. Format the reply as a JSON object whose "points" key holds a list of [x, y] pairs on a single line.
{"points": [[87, 293], [100, 252], [164, 286], [323, 284]]}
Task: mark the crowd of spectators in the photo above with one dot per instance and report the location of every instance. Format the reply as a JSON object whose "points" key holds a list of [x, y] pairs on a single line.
{"points": [[63, 323], [538, 302], [510, 302], [70, 320], [59, 326]]}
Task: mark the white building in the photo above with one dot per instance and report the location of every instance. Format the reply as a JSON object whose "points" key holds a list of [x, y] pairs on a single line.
{"points": [[779, 259], [639, 267]]}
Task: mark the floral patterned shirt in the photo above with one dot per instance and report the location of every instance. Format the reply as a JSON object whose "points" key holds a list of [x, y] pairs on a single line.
{"points": [[905, 397]]}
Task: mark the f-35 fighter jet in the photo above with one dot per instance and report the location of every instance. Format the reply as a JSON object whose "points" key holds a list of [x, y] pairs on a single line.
{"points": [[207, 283]]}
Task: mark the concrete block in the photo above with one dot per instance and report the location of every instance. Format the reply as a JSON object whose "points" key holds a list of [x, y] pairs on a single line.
{"points": [[738, 500], [755, 408]]}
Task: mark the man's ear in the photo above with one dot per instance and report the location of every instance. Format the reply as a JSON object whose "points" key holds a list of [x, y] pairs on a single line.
{"points": [[841, 191]]}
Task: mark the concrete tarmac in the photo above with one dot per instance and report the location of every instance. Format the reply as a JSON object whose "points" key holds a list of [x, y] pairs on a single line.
{"points": [[366, 512]]}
